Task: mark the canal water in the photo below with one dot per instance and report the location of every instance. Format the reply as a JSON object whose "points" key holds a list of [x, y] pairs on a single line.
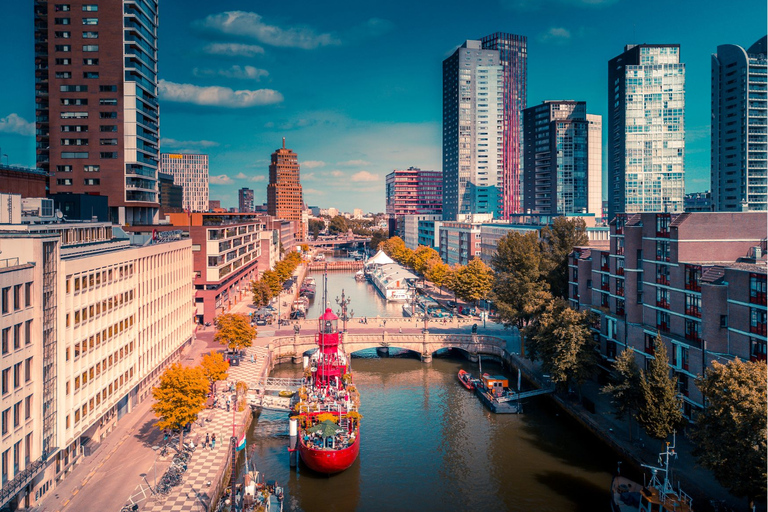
{"points": [[428, 444], [365, 301]]}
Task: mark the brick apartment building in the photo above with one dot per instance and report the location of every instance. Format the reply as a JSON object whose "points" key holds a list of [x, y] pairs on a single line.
{"points": [[698, 279]]}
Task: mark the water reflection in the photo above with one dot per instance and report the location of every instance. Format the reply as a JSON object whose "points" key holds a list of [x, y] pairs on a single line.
{"points": [[365, 300]]}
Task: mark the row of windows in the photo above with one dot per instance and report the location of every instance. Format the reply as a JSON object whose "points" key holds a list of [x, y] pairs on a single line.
{"points": [[70, 168], [6, 377], [64, 48], [16, 456], [17, 337], [84, 115], [66, 182], [67, 35], [67, 8], [68, 21], [84, 88], [84, 142], [7, 298], [90, 405], [105, 306], [82, 155], [86, 74], [94, 279], [6, 416], [103, 365]]}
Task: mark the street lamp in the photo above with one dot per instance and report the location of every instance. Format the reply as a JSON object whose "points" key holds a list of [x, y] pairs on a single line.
{"points": [[344, 302], [154, 468]]}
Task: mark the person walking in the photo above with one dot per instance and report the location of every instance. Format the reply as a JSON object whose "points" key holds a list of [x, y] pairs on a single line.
{"points": [[213, 442], [207, 439]]}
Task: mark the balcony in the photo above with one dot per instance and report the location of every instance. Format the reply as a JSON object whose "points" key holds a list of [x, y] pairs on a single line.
{"points": [[662, 257], [662, 280], [620, 271], [758, 329], [662, 303], [605, 267], [693, 312], [620, 251], [693, 286], [757, 298], [662, 327], [606, 287], [662, 233]]}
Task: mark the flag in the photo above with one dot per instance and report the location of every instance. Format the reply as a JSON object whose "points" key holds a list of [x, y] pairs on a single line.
{"points": [[241, 442]]}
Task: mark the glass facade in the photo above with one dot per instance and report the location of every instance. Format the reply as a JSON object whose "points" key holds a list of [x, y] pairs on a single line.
{"points": [[646, 160], [191, 173]]}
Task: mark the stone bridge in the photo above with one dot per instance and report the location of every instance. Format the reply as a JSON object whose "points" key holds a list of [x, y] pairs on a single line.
{"points": [[425, 344]]}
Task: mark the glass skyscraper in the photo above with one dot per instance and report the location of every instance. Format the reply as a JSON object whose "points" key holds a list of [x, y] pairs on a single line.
{"points": [[739, 127], [483, 95], [646, 130]]}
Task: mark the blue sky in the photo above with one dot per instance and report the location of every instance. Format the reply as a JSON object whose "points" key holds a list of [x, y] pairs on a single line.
{"points": [[355, 87]]}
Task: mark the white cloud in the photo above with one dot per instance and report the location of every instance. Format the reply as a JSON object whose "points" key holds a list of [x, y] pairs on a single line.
{"points": [[233, 49], [241, 73], [257, 179], [337, 174], [173, 143], [13, 123], [221, 179], [217, 95], [313, 191], [241, 176], [555, 35], [311, 164], [250, 24], [354, 163], [365, 176]]}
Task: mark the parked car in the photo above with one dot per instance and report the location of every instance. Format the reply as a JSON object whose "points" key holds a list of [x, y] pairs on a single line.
{"points": [[261, 321]]}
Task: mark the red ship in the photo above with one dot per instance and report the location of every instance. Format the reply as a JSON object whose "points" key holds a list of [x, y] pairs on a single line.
{"points": [[327, 410]]}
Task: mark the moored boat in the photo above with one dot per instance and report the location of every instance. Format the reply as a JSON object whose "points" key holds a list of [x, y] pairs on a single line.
{"points": [[327, 410], [466, 379], [494, 392], [657, 496]]}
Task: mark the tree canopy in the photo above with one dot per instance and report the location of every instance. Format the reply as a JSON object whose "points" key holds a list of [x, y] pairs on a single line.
{"points": [[179, 397], [562, 340], [473, 281], [438, 273], [557, 242], [626, 396], [730, 433], [214, 367], [660, 409], [315, 227], [423, 258], [338, 225], [519, 291], [262, 293], [234, 331]]}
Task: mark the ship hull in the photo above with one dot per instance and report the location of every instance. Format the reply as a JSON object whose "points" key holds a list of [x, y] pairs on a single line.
{"points": [[329, 461]]}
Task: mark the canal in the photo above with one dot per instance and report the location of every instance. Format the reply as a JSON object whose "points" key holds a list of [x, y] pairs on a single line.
{"points": [[428, 444]]}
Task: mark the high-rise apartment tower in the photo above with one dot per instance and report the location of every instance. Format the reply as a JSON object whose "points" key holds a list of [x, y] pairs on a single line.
{"points": [[245, 200], [284, 198], [562, 166], [646, 130], [96, 107], [739, 119], [483, 97], [191, 172], [414, 190]]}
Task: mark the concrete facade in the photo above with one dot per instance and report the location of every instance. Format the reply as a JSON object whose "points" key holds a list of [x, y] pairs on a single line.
{"points": [[190, 171], [690, 277]]}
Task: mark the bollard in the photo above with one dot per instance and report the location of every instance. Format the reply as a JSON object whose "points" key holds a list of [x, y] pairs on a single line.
{"points": [[293, 431]]}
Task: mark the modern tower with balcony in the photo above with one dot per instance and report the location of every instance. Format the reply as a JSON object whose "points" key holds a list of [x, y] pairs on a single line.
{"points": [[96, 108], [191, 172], [646, 130], [483, 97], [740, 128]]}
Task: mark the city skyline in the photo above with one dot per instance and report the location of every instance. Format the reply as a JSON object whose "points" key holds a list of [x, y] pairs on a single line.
{"points": [[356, 123]]}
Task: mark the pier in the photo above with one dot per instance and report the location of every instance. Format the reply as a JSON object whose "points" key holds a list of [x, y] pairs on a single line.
{"points": [[336, 265]]}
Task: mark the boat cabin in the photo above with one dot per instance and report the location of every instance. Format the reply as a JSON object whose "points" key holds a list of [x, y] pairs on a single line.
{"points": [[495, 384]]}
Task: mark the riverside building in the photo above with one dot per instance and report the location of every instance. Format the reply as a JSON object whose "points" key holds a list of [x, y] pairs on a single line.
{"points": [[96, 110], [739, 128], [691, 277], [89, 322], [191, 173], [646, 130]]}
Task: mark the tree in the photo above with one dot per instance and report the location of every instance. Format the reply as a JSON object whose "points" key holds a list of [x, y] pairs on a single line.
{"points": [[262, 293], [660, 411], [557, 243], [179, 397], [214, 367], [562, 340], [438, 273], [730, 433], [234, 331], [473, 281], [377, 238], [519, 290], [394, 248], [624, 388], [338, 225], [423, 257], [315, 227], [273, 281]]}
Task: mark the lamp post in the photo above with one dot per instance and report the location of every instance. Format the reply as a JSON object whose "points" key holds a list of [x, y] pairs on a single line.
{"points": [[344, 302], [154, 468]]}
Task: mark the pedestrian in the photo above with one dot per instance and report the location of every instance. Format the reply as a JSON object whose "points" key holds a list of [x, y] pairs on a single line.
{"points": [[207, 439], [213, 441], [229, 402], [401, 330], [252, 360]]}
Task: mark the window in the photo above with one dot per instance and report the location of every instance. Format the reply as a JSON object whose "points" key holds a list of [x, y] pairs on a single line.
{"points": [[90, 21], [90, 47], [723, 321], [108, 101], [693, 330], [6, 425], [90, 62], [663, 221], [73, 88], [17, 337], [6, 380], [64, 182], [63, 62], [27, 294], [758, 349], [61, 8], [693, 278], [107, 115], [91, 181], [62, 34], [757, 289], [62, 21], [108, 128], [90, 74], [62, 48], [28, 332], [107, 88], [693, 305], [91, 168], [662, 321], [662, 250], [17, 414], [90, 35], [74, 101], [63, 74], [108, 155], [6, 299], [67, 154], [108, 142], [28, 407], [90, 8], [17, 297], [28, 370], [6, 340], [757, 321]]}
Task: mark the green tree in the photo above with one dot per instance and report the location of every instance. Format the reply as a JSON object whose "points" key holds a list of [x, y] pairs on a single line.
{"points": [[730, 433], [315, 227], [660, 411], [214, 367], [377, 238], [338, 225], [234, 331], [624, 388], [562, 340], [262, 293], [519, 291], [473, 281], [558, 241], [179, 397]]}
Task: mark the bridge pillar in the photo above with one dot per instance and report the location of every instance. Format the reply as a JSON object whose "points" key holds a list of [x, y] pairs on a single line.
{"points": [[426, 358], [472, 358], [299, 359]]}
